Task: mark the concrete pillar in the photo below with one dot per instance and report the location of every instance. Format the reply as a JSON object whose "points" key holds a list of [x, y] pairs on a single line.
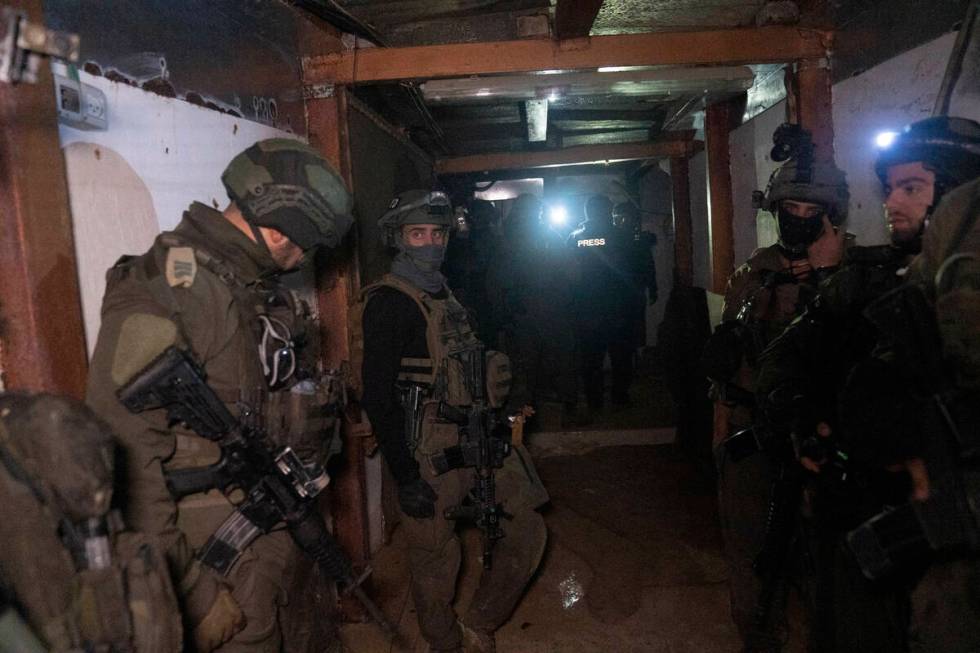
{"points": [[337, 286]]}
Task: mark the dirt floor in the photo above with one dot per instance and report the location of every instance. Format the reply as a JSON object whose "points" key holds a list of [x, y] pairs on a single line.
{"points": [[634, 563]]}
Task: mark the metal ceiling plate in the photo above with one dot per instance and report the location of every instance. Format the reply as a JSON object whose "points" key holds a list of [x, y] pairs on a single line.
{"points": [[659, 82]]}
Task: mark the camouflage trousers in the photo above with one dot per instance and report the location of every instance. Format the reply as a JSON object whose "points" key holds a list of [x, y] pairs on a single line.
{"points": [[434, 549], [282, 594], [744, 489]]}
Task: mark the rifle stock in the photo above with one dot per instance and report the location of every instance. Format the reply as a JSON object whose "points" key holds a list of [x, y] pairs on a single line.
{"points": [[278, 487]]}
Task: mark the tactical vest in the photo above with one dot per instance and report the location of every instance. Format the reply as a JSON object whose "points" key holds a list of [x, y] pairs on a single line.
{"points": [[302, 414], [447, 331], [127, 605]]}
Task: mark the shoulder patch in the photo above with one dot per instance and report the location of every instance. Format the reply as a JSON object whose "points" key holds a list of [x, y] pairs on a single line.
{"points": [[181, 267]]}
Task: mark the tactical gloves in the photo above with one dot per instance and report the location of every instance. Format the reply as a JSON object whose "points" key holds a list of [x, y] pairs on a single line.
{"points": [[222, 621], [417, 499]]}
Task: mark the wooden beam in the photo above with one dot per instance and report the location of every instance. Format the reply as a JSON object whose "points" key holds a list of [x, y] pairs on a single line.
{"points": [[337, 285], [813, 106], [772, 44], [574, 18], [42, 343], [683, 239], [566, 156], [717, 125]]}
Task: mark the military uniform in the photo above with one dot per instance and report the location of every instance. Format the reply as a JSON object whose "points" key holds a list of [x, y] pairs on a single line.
{"points": [[207, 287], [744, 487], [408, 334], [809, 363], [531, 295], [945, 603], [82, 580]]}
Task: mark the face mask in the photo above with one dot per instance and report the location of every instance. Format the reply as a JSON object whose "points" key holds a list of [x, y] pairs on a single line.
{"points": [[796, 233], [427, 257]]}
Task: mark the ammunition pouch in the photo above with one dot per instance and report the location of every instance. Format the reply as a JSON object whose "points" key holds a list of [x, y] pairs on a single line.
{"points": [[305, 418], [130, 604]]}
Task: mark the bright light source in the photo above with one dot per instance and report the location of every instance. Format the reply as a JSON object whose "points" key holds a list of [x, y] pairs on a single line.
{"points": [[558, 215], [552, 97], [885, 139]]}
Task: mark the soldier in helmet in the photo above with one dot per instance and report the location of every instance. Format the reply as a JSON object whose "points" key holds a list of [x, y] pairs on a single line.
{"points": [[530, 285], [809, 199], [211, 286], [802, 370], [469, 261], [103, 588], [642, 269], [881, 419], [416, 336]]}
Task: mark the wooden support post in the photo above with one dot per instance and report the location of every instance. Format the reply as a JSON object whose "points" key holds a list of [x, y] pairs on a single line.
{"points": [[42, 337], [574, 18], [683, 243], [337, 286], [813, 105], [718, 122]]}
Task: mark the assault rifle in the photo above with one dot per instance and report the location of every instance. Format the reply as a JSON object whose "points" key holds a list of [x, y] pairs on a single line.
{"points": [[278, 488], [949, 441], [480, 447]]}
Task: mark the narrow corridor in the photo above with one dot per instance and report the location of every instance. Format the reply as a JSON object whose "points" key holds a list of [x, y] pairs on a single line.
{"points": [[634, 563]]}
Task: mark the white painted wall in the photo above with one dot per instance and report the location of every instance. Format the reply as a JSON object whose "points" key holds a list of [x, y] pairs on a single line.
{"points": [[130, 182], [751, 167], [886, 97]]}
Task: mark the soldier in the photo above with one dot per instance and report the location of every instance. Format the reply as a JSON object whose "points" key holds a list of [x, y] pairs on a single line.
{"points": [[469, 261], [921, 388], [802, 370], [763, 295], [602, 300], [101, 587], [532, 300], [414, 330], [211, 286], [643, 270]]}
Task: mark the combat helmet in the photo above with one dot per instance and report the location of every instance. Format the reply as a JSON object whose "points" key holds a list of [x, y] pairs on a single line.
{"points": [[626, 214], [286, 185], [481, 214], [416, 206], [949, 147], [823, 183]]}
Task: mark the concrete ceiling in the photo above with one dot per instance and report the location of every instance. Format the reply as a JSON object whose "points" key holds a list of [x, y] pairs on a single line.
{"points": [[637, 16]]}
